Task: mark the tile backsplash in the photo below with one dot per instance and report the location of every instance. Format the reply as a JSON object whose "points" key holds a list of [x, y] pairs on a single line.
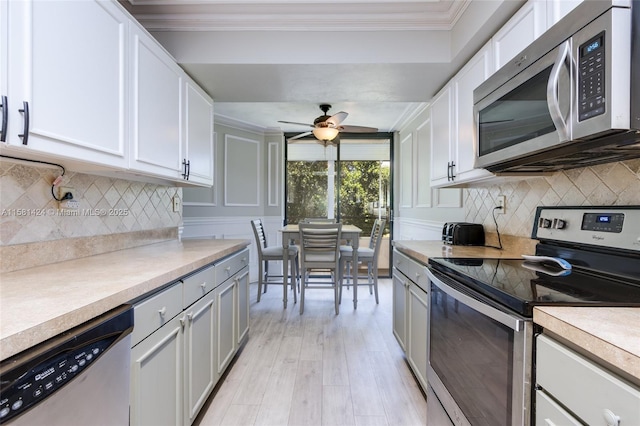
{"points": [[106, 205], [606, 184]]}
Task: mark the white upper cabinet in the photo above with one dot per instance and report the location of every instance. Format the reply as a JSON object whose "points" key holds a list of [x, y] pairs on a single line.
{"points": [[526, 25], [92, 90], [157, 86], [558, 9], [453, 136], [441, 136], [67, 79], [199, 134]]}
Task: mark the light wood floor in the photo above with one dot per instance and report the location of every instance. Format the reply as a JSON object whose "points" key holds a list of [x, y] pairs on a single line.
{"points": [[319, 368]]}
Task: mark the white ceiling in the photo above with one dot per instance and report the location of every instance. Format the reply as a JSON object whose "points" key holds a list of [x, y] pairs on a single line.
{"points": [[268, 60]]}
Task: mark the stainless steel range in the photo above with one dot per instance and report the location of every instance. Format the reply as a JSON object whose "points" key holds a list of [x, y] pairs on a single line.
{"points": [[480, 329]]}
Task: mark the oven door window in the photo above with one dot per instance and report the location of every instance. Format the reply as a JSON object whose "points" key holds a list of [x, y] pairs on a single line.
{"points": [[472, 355]]}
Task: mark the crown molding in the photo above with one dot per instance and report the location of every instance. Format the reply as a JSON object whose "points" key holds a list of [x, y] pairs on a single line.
{"points": [[373, 15]]}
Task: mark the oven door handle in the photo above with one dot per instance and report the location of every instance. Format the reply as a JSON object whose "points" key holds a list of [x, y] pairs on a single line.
{"points": [[508, 320]]}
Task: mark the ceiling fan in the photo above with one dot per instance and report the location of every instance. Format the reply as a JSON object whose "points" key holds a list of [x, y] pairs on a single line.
{"points": [[326, 127]]}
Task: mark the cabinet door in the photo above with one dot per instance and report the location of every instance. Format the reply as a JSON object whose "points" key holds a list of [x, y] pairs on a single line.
{"points": [[199, 134], [471, 76], [242, 284], [157, 376], [558, 9], [157, 86], [441, 136], [201, 370], [526, 25], [418, 317], [226, 323], [400, 283], [71, 72]]}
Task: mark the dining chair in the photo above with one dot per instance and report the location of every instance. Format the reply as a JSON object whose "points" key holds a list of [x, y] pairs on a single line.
{"points": [[320, 249], [268, 254], [368, 255]]}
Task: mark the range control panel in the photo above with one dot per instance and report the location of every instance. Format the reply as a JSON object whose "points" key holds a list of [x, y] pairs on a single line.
{"points": [[611, 226], [45, 378]]}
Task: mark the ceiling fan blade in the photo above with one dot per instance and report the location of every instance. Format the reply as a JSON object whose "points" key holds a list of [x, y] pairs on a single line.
{"points": [[299, 124], [301, 135], [357, 129], [337, 118]]}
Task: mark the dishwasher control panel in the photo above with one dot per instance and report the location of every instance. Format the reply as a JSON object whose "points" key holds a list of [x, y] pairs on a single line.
{"points": [[25, 387]]}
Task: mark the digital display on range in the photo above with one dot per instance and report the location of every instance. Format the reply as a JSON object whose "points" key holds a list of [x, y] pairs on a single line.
{"points": [[603, 222]]}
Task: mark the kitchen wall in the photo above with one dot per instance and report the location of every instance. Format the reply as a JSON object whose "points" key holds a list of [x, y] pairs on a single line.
{"points": [[113, 214], [606, 184]]}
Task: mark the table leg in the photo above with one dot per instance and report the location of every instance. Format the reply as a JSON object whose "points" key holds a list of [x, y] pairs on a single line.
{"points": [[354, 269], [285, 269]]}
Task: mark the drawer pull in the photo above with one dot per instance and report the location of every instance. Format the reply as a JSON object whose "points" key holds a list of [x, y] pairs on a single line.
{"points": [[244, 260], [203, 286], [190, 316], [611, 418], [228, 269], [163, 311]]}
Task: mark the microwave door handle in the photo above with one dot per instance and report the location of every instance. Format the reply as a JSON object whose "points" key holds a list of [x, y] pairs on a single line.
{"points": [[553, 100]]}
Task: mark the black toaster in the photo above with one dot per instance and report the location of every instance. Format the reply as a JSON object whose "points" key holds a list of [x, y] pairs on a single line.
{"points": [[463, 234]]}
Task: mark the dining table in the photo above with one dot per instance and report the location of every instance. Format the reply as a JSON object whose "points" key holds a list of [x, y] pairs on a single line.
{"points": [[291, 235]]}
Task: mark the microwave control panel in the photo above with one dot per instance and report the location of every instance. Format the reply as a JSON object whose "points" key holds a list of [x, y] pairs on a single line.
{"points": [[591, 97]]}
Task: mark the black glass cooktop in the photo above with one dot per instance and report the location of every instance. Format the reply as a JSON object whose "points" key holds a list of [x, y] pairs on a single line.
{"points": [[522, 285]]}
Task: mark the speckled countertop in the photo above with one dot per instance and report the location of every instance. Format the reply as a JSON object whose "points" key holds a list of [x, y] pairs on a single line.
{"points": [[610, 334], [39, 303]]}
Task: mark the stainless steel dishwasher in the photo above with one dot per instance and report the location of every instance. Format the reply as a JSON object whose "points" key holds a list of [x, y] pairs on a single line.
{"points": [[80, 377]]}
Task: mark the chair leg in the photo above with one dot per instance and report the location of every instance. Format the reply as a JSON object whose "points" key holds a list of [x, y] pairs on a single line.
{"points": [[260, 278], [340, 278], [294, 279], [302, 286], [266, 274], [369, 276], [335, 293], [375, 281]]}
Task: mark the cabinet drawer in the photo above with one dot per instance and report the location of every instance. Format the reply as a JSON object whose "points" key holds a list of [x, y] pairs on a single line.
{"points": [[229, 266], [549, 413], [419, 275], [402, 263], [152, 313], [197, 285], [585, 388]]}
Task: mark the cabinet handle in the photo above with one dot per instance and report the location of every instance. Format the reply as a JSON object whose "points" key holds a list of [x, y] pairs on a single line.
{"points": [[243, 260], [182, 321], [190, 316], [187, 169], [228, 269], [611, 418], [203, 286], [453, 164], [25, 130], [5, 116], [163, 311]]}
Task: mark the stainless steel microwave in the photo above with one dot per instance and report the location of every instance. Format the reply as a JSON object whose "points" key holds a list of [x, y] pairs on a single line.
{"points": [[570, 99]]}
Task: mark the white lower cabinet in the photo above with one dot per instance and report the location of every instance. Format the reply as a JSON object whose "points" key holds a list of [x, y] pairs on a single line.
{"points": [[184, 338], [200, 344], [410, 313], [572, 389]]}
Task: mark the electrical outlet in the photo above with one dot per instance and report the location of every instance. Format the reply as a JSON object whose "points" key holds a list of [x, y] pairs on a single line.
{"points": [[502, 203], [176, 203], [65, 193]]}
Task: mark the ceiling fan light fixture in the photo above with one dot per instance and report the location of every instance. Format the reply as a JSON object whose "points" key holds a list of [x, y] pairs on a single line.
{"points": [[325, 133]]}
